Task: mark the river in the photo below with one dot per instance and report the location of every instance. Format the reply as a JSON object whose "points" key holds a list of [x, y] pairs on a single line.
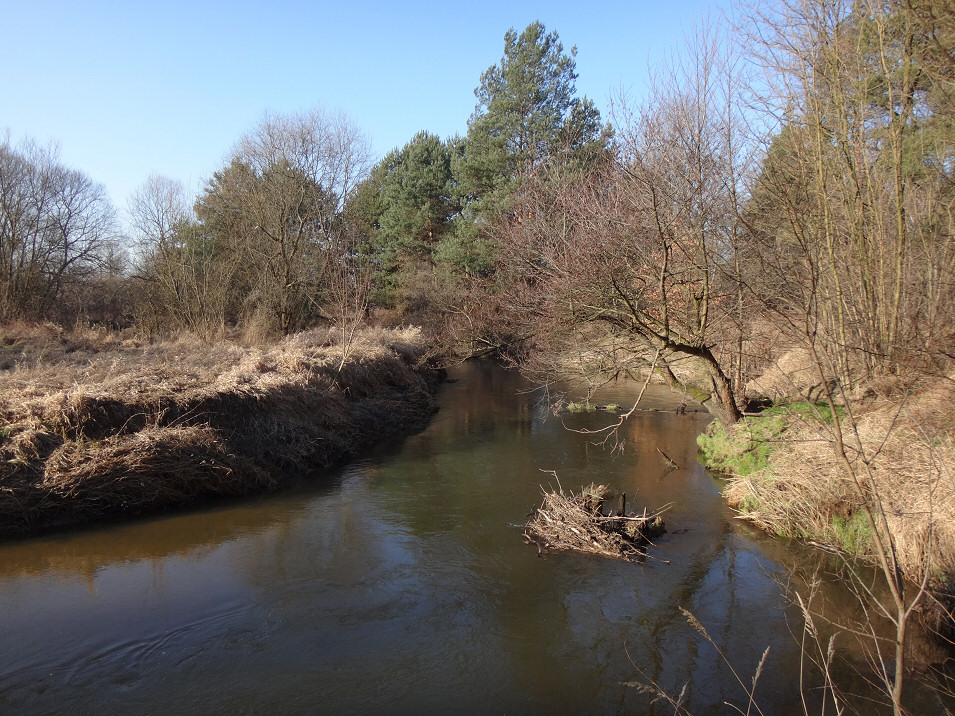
{"points": [[401, 585]]}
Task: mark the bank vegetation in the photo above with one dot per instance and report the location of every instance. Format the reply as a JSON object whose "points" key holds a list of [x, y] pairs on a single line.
{"points": [[97, 427]]}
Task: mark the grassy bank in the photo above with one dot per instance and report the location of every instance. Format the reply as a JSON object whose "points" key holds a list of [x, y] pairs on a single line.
{"points": [[93, 427], [784, 475]]}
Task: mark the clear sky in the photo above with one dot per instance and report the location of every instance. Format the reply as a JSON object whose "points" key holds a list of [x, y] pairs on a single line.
{"points": [[133, 88]]}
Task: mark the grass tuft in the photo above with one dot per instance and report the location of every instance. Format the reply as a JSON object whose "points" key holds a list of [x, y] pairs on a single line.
{"points": [[852, 534], [744, 448]]}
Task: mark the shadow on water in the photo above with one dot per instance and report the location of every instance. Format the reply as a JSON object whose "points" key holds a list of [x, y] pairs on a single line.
{"points": [[402, 585]]}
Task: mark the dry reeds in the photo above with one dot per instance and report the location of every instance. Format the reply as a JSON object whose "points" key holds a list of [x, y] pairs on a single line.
{"points": [[904, 455], [152, 469], [577, 523], [129, 428]]}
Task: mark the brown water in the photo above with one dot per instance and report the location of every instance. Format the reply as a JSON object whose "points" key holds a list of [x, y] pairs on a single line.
{"points": [[401, 585]]}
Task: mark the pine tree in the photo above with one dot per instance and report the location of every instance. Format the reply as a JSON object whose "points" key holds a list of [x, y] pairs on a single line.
{"points": [[527, 113]]}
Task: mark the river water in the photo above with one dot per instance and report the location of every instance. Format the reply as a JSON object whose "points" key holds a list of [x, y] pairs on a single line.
{"points": [[401, 585]]}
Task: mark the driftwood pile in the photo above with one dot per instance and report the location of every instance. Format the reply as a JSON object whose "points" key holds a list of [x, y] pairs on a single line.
{"points": [[578, 523]]}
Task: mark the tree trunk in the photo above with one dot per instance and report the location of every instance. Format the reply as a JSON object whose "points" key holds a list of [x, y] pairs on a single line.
{"points": [[724, 401]]}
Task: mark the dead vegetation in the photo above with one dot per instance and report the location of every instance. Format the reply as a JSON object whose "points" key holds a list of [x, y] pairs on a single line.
{"points": [[907, 444], [577, 523], [92, 428]]}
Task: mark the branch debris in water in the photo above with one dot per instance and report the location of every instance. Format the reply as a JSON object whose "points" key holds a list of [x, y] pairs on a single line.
{"points": [[578, 523]]}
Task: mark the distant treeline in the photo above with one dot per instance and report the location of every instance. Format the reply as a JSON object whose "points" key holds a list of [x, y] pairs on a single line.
{"points": [[796, 172]]}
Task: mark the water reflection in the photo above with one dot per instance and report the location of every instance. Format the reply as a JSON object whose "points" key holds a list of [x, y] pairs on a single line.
{"points": [[401, 585]]}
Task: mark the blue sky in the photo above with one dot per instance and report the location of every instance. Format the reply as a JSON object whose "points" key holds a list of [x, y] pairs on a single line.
{"points": [[128, 89]]}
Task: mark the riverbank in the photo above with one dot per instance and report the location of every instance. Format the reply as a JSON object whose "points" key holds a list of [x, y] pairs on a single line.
{"points": [[784, 474], [94, 428]]}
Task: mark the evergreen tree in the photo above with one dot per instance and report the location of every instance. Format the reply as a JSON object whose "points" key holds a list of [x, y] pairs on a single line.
{"points": [[404, 209], [417, 194], [527, 113]]}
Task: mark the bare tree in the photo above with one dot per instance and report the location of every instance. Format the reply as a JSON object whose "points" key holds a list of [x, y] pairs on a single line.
{"points": [[279, 202], [635, 259], [189, 280], [859, 174], [56, 227], [349, 278], [850, 227]]}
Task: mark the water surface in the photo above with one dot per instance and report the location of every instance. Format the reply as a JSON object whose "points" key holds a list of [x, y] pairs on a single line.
{"points": [[401, 585]]}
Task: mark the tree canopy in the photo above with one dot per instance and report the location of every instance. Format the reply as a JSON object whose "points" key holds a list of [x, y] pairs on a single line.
{"points": [[527, 112]]}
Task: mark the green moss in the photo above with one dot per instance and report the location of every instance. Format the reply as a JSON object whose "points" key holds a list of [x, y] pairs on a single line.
{"points": [[581, 407], [698, 395]]}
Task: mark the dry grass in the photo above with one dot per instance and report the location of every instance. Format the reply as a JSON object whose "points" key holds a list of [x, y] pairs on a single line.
{"points": [[903, 453], [793, 374], [96, 425]]}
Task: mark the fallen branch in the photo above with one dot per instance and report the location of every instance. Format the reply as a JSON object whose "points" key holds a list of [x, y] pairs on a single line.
{"points": [[671, 463]]}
